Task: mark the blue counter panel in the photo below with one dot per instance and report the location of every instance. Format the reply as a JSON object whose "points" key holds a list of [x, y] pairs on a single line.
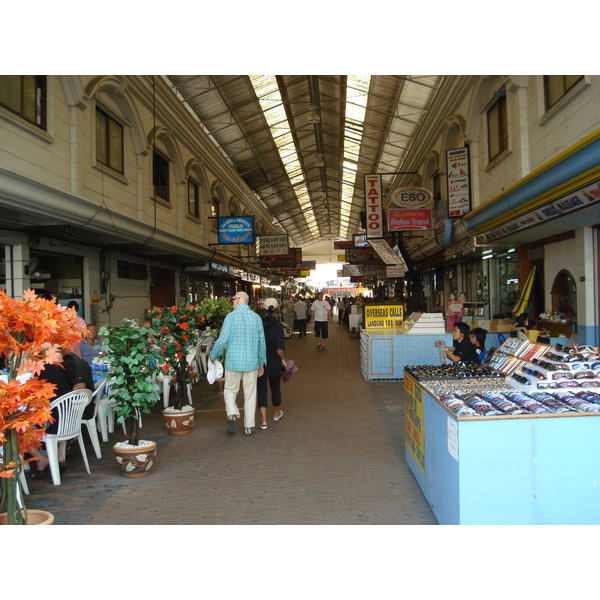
{"points": [[529, 470], [384, 355]]}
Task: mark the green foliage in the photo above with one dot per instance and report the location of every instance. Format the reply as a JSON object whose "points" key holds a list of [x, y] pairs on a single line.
{"points": [[177, 329], [132, 363], [214, 310]]}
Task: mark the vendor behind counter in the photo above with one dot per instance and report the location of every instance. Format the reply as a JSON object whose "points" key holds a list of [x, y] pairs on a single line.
{"points": [[463, 349]]}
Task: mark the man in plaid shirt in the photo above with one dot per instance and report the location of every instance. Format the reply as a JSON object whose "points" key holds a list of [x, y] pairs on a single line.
{"points": [[243, 337]]}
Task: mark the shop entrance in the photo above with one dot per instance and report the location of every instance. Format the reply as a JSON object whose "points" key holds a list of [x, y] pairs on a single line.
{"points": [[162, 290], [58, 274], [564, 294]]}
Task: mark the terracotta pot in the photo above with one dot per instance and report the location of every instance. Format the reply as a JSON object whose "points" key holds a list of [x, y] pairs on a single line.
{"points": [[136, 462], [34, 517], [179, 423]]}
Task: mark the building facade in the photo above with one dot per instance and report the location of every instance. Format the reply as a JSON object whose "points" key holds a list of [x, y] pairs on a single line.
{"points": [[110, 188], [533, 185], [109, 193]]}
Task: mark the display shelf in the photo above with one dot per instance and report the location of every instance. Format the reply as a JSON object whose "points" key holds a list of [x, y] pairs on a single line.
{"points": [[558, 370], [423, 324], [515, 352]]}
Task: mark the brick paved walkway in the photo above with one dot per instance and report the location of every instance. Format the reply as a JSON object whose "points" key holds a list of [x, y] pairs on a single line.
{"points": [[336, 457]]}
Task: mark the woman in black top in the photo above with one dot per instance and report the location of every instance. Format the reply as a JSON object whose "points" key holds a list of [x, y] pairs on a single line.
{"points": [[274, 338], [463, 350]]}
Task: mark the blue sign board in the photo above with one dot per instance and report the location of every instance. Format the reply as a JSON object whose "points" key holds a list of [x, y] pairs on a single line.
{"points": [[236, 230]]}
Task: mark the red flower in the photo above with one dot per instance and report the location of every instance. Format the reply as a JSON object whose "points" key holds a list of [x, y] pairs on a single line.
{"points": [[174, 309], [184, 325]]}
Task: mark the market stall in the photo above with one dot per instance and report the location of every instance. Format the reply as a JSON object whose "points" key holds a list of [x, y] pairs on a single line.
{"points": [[388, 343], [517, 443]]}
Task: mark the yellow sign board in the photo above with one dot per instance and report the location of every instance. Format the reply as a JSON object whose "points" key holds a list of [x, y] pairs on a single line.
{"points": [[414, 421], [383, 316]]}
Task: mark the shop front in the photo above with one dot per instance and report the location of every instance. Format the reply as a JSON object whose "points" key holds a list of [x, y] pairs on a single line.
{"points": [[550, 216]]}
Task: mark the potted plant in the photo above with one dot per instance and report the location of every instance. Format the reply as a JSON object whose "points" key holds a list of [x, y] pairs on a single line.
{"points": [[132, 364], [31, 334], [214, 311], [177, 330]]}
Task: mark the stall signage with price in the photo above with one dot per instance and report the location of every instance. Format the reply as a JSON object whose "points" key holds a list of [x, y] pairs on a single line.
{"points": [[414, 421], [383, 316]]}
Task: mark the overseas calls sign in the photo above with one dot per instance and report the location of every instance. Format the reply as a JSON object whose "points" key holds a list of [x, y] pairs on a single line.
{"points": [[383, 316], [374, 206]]}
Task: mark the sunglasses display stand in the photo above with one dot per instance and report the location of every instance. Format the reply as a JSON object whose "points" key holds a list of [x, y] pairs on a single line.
{"points": [[510, 465], [532, 367]]}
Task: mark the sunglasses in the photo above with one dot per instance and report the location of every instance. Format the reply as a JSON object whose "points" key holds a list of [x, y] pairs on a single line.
{"points": [[555, 385], [533, 372], [556, 376]]}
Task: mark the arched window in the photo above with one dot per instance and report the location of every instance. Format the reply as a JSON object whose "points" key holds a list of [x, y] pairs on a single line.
{"points": [[564, 294]]}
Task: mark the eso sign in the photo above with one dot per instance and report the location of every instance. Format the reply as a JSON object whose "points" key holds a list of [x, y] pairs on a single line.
{"points": [[411, 197]]}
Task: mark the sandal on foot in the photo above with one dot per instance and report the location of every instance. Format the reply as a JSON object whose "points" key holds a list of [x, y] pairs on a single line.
{"points": [[318, 347], [278, 416], [263, 425], [36, 474], [249, 431], [230, 427]]}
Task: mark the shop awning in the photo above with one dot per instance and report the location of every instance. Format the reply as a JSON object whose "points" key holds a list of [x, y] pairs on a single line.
{"points": [[522, 305]]}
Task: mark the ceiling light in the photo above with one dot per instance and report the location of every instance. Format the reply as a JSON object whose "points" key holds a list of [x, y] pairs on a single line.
{"points": [[313, 115], [320, 162]]}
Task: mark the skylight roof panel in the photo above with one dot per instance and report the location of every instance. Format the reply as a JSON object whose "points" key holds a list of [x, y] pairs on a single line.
{"points": [[269, 97]]}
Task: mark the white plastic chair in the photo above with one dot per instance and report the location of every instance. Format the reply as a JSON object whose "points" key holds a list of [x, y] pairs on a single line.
{"points": [[203, 354], [166, 379], [70, 410], [91, 423], [105, 415]]}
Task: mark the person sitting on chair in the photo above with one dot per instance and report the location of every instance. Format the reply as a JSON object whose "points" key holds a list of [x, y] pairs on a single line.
{"points": [[477, 337], [463, 350]]}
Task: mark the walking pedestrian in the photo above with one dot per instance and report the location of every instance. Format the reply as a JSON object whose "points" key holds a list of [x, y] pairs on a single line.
{"points": [[301, 311], [321, 314], [340, 309], [275, 341], [243, 337]]}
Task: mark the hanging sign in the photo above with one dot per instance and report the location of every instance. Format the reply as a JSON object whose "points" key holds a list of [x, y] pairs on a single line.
{"points": [[342, 245], [272, 245], [408, 220], [386, 252], [359, 240], [410, 197], [394, 272], [353, 270], [457, 169], [442, 225], [374, 204], [292, 260], [236, 230]]}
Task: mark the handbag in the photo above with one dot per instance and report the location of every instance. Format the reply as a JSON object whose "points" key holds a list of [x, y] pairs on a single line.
{"points": [[290, 369]]}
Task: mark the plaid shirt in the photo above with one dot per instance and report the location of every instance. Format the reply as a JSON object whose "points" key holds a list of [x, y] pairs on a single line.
{"points": [[244, 338]]}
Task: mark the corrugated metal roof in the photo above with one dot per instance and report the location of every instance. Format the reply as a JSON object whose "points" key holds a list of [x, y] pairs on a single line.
{"points": [[303, 143]]}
